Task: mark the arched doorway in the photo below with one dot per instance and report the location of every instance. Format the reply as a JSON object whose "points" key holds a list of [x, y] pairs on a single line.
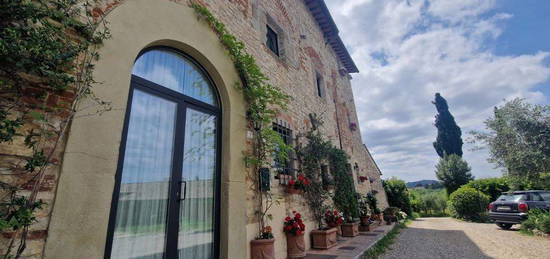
{"points": [[165, 202]]}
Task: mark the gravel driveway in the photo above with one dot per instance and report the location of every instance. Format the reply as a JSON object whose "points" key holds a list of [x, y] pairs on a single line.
{"points": [[450, 238]]}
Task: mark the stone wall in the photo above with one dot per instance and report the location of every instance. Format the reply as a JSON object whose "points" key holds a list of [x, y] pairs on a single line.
{"points": [[305, 55]]}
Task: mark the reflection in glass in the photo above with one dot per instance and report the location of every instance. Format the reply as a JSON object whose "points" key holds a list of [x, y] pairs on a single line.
{"points": [[173, 71], [142, 203], [196, 232]]}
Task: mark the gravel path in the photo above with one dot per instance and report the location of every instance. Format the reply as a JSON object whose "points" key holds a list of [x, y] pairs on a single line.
{"points": [[450, 238]]}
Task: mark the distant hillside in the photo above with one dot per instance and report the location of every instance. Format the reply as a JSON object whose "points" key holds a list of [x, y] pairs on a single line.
{"points": [[425, 183]]}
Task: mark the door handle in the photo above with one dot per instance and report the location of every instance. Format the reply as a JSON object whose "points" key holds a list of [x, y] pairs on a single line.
{"points": [[184, 194]]}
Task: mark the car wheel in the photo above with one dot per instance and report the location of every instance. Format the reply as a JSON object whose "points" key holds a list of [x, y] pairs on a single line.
{"points": [[504, 226]]}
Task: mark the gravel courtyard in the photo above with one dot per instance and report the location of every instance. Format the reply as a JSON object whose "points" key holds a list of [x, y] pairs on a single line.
{"points": [[450, 238]]}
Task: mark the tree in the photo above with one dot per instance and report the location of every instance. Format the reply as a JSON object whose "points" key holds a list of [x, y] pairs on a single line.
{"points": [[398, 194], [493, 187], [449, 140], [453, 171], [518, 137]]}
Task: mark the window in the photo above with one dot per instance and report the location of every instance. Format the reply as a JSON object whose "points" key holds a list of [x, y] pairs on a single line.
{"points": [[536, 197], [167, 183], [272, 40], [284, 167], [319, 85], [545, 196]]}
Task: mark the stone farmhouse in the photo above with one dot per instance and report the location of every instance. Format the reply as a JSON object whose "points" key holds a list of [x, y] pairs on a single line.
{"points": [[172, 90]]}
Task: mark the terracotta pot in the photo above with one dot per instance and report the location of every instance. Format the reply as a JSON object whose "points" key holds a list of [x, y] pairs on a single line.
{"points": [[364, 228], [262, 249], [364, 220], [350, 229], [295, 246], [324, 239], [293, 191], [332, 224]]}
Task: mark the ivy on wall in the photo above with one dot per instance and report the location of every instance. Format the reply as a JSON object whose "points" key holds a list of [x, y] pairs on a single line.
{"points": [[47, 50], [319, 151], [263, 101]]}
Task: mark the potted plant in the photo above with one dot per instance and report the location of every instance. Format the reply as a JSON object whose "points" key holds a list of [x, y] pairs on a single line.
{"points": [[294, 228], [345, 198], [350, 228], [297, 186], [364, 216], [326, 237], [334, 218], [373, 206], [390, 215], [263, 246]]}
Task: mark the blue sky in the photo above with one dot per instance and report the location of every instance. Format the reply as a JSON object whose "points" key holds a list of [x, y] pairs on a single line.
{"points": [[476, 53]]}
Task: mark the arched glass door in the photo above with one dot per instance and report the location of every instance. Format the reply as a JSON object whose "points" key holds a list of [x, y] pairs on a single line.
{"points": [[164, 203]]}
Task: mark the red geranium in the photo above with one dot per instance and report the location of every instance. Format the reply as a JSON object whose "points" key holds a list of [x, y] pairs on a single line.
{"points": [[334, 218], [294, 225], [300, 183]]}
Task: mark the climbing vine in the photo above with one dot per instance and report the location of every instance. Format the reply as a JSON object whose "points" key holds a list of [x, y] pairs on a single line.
{"points": [[47, 50], [263, 101], [320, 151]]}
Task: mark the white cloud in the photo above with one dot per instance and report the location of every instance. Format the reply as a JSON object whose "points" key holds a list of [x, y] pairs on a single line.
{"points": [[409, 50]]}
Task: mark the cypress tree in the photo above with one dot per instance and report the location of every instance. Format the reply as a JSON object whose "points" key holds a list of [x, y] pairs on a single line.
{"points": [[449, 140]]}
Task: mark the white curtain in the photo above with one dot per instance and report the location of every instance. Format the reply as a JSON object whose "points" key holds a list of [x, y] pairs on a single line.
{"points": [[173, 71], [196, 232], [142, 203]]}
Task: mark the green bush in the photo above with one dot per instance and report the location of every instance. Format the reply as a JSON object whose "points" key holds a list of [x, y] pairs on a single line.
{"points": [[397, 194], [538, 220], [468, 203], [490, 186]]}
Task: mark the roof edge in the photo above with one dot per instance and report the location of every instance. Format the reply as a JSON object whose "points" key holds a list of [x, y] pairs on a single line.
{"points": [[320, 12]]}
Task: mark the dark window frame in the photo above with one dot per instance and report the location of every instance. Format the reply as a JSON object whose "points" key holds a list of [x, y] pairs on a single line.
{"points": [[286, 135], [272, 40], [183, 103]]}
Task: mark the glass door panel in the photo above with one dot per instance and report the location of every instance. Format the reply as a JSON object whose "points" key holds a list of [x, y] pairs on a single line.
{"points": [[196, 221], [141, 212]]}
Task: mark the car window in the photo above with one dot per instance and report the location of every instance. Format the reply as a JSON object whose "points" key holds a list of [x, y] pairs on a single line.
{"points": [[536, 197], [512, 197], [545, 196]]}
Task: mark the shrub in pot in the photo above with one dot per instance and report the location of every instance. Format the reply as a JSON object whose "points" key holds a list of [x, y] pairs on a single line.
{"points": [[326, 237], [264, 246], [294, 228], [364, 216], [390, 214]]}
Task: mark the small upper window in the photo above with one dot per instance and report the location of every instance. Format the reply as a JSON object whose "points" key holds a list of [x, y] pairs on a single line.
{"points": [[272, 40], [319, 84]]}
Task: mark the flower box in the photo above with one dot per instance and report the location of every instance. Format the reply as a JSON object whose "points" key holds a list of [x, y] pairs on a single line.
{"points": [[364, 228], [350, 229], [324, 239], [262, 249], [292, 190], [295, 245]]}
